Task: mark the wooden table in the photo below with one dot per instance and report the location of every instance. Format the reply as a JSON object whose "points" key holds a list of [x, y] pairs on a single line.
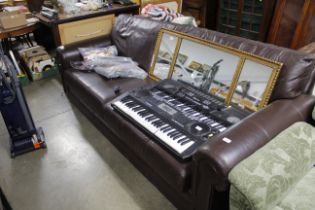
{"points": [[67, 27], [6, 34]]}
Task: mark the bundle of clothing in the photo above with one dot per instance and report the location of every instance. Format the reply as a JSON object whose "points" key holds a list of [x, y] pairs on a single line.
{"points": [[106, 62], [160, 12], [165, 14]]}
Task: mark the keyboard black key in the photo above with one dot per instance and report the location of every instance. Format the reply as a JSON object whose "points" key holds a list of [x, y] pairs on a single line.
{"points": [[167, 129], [185, 142], [177, 136], [137, 108], [143, 113], [182, 140], [150, 118], [159, 124], [174, 134], [171, 133], [132, 104]]}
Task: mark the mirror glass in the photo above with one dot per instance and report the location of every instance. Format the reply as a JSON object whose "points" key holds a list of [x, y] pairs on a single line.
{"points": [[164, 56], [207, 68], [252, 85]]}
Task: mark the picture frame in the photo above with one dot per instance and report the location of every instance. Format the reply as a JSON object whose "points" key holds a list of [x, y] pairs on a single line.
{"points": [[166, 56], [195, 66], [163, 55], [182, 58]]}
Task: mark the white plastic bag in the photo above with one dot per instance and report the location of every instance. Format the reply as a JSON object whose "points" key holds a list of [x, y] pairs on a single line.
{"points": [[90, 53], [121, 70], [109, 61]]}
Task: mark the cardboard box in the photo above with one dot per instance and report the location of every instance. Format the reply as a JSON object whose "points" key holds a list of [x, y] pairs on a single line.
{"points": [[53, 71], [12, 19], [36, 59], [23, 79]]}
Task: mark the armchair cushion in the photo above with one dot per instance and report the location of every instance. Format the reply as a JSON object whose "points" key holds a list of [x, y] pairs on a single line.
{"points": [[265, 178], [302, 195]]}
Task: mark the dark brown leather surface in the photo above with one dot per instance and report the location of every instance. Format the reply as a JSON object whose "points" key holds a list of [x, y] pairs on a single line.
{"points": [[180, 199], [251, 134], [135, 37], [97, 90], [296, 77], [175, 173]]}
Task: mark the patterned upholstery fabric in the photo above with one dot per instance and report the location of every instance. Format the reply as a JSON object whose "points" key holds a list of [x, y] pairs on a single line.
{"points": [[274, 176], [302, 195]]}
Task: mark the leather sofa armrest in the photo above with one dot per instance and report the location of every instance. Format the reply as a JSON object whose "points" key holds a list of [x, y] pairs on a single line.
{"points": [[70, 52], [251, 134], [214, 160]]}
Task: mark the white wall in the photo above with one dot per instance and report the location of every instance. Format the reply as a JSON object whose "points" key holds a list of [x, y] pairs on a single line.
{"points": [[207, 55]]}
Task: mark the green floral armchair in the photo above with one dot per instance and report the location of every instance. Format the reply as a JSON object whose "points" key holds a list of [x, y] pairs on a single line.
{"points": [[279, 176]]}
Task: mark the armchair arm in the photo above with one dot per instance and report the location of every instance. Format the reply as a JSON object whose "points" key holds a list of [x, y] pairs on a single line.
{"points": [[70, 52], [214, 160]]}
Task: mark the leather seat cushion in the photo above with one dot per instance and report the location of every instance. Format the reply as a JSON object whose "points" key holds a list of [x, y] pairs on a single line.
{"points": [[94, 90], [172, 171]]}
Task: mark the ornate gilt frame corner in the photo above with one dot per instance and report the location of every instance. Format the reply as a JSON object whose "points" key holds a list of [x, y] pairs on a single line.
{"points": [[271, 83]]}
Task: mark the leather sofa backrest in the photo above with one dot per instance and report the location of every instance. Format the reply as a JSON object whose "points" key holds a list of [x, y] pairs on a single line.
{"points": [[136, 36]]}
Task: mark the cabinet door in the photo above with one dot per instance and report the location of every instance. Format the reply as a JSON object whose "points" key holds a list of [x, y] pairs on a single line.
{"points": [[245, 18], [229, 16]]}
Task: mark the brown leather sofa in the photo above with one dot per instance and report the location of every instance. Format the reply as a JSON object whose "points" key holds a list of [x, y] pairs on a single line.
{"points": [[200, 183]]}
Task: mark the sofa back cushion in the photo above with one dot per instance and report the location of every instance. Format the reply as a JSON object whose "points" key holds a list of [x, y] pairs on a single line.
{"points": [[263, 179], [135, 36]]}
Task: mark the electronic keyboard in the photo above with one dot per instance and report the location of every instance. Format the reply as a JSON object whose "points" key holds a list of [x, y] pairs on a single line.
{"points": [[178, 116]]}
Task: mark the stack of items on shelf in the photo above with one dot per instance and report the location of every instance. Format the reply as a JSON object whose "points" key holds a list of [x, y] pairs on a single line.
{"points": [[12, 17], [37, 62]]}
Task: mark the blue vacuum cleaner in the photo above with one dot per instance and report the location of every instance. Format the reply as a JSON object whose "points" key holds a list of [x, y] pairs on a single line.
{"points": [[24, 135]]}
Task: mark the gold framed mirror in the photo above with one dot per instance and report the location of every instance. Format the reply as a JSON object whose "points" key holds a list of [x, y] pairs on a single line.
{"points": [[209, 68], [164, 52], [255, 82], [238, 77]]}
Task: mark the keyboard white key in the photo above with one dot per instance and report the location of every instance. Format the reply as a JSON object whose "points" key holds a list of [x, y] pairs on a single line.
{"points": [[135, 116], [203, 118], [157, 131], [173, 143]]}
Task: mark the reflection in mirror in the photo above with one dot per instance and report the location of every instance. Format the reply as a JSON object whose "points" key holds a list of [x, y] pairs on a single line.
{"points": [[205, 67], [252, 85], [165, 55]]}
